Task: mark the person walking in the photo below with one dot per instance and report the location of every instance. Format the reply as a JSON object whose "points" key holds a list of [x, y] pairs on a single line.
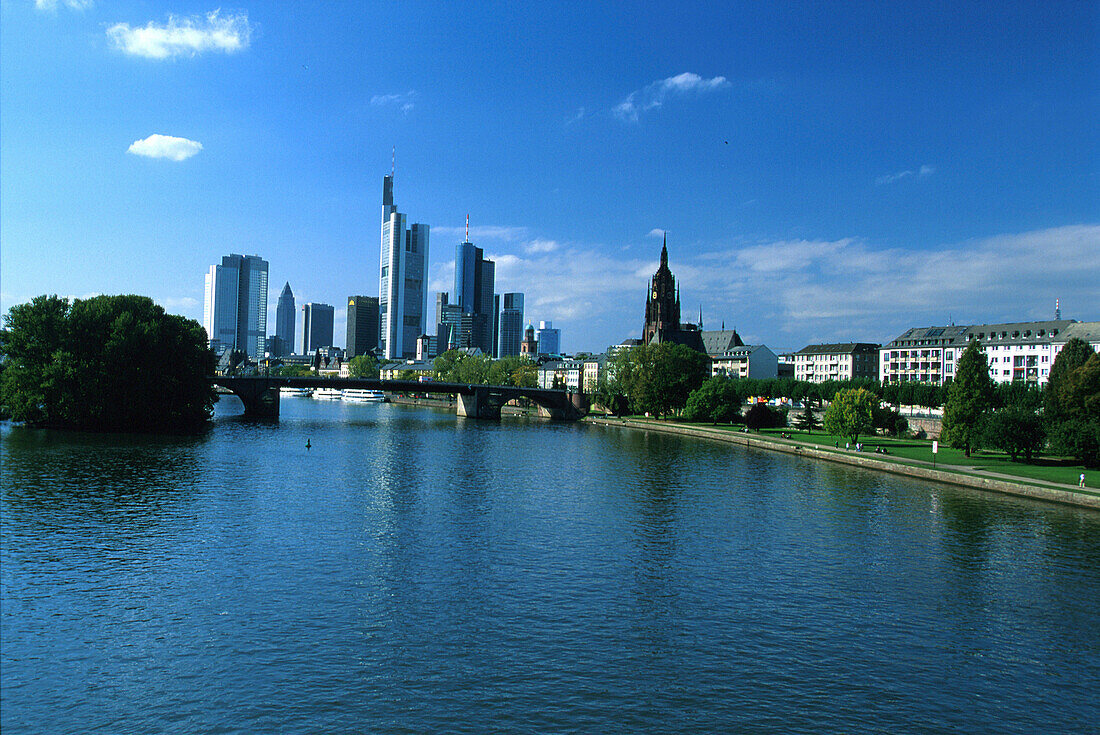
{"points": [[1081, 480]]}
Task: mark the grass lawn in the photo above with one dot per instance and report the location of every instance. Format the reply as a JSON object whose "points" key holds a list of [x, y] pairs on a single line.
{"points": [[1051, 469]]}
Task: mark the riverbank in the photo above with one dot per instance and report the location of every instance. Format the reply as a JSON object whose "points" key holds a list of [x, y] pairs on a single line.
{"points": [[985, 480]]}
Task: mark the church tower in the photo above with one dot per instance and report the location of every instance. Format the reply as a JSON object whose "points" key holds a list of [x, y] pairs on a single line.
{"points": [[662, 308]]}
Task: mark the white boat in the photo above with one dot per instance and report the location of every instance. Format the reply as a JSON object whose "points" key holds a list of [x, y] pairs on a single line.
{"points": [[328, 393], [303, 392], [362, 395]]}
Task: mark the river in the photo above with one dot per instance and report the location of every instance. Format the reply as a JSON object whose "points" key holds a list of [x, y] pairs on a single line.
{"points": [[414, 572]]}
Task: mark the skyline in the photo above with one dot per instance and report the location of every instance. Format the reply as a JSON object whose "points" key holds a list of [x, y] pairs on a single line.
{"points": [[824, 175]]}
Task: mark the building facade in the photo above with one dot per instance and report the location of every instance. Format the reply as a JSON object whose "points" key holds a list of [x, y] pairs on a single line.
{"points": [[548, 338], [285, 317], [662, 310], [839, 361], [529, 346], [745, 361], [1015, 351], [511, 324], [402, 282], [364, 325], [235, 305], [316, 326], [475, 279]]}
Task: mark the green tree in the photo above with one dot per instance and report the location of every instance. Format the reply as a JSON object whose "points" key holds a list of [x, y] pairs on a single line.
{"points": [[715, 401], [762, 416], [363, 366], [658, 379], [1056, 406], [1077, 433], [109, 363], [609, 395], [1015, 430], [807, 420], [851, 413], [968, 400]]}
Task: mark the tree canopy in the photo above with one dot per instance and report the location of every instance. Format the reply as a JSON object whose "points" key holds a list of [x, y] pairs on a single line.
{"points": [[969, 400], [108, 363], [851, 413], [658, 379]]}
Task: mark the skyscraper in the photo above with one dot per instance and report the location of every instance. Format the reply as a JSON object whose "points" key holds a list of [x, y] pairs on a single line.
{"points": [[549, 339], [475, 277], [284, 322], [511, 324], [235, 305], [363, 325], [454, 327], [402, 293], [316, 326]]}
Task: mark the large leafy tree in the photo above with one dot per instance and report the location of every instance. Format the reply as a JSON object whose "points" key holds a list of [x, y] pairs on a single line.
{"points": [[851, 413], [109, 363], [363, 366], [1077, 433], [1058, 405], [968, 400], [658, 379], [1015, 430], [716, 400]]}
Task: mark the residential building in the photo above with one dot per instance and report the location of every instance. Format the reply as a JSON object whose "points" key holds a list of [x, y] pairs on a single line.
{"points": [[364, 325], [838, 361], [414, 369], [235, 305], [317, 322], [402, 299], [511, 324], [593, 368], [561, 374], [1015, 350], [548, 338], [475, 278], [745, 361], [285, 317]]}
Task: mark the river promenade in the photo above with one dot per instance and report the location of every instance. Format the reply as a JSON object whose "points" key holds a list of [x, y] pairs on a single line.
{"points": [[967, 477]]}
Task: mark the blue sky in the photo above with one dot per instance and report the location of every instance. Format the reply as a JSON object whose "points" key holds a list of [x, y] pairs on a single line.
{"points": [[825, 172]]}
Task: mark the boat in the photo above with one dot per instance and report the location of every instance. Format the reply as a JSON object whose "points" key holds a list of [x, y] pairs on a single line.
{"points": [[303, 392], [362, 395], [328, 393]]}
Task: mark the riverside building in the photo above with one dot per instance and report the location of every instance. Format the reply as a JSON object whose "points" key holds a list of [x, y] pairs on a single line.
{"points": [[838, 361], [1016, 350], [235, 305], [402, 292]]}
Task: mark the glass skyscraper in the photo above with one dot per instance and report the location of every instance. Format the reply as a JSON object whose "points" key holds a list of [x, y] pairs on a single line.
{"points": [[284, 322], [475, 278], [235, 305], [511, 324], [317, 322], [402, 282]]}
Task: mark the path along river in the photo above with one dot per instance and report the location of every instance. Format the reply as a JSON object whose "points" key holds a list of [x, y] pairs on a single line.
{"points": [[414, 572]]}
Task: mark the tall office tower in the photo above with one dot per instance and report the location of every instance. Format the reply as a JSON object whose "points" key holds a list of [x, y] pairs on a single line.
{"points": [[235, 305], [475, 278], [284, 323], [454, 327], [496, 326], [549, 339], [402, 292], [316, 327], [511, 324], [363, 325]]}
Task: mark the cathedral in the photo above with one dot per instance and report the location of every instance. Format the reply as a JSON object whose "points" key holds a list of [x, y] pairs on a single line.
{"points": [[662, 315]]}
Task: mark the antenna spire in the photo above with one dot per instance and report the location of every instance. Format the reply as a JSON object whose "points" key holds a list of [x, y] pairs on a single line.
{"points": [[1057, 309], [393, 163], [467, 227]]}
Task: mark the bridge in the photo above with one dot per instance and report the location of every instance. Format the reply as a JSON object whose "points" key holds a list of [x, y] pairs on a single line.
{"points": [[260, 395]]}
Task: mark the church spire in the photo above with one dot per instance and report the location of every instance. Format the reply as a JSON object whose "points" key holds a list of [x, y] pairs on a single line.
{"points": [[664, 251]]}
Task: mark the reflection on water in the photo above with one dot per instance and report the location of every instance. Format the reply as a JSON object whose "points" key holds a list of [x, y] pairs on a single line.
{"points": [[420, 572]]}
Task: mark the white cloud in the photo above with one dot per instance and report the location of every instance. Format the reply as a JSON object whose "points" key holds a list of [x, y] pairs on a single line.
{"points": [[575, 117], [541, 246], [183, 36], [482, 232], [51, 5], [656, 233], [922, 172], [165, 146], [402, 101], [655, 94]]}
